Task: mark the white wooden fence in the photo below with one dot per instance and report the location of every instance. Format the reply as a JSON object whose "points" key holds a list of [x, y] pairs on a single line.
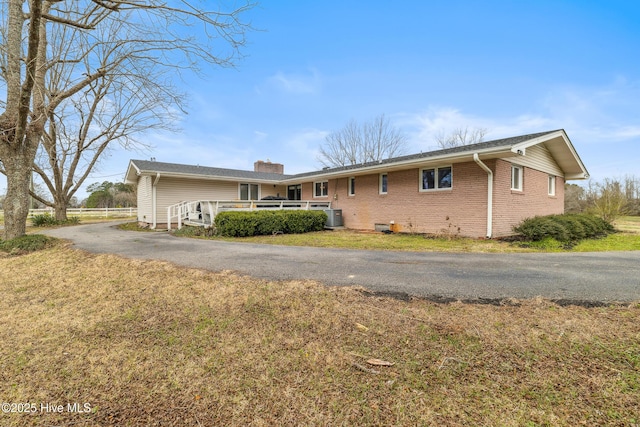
{"points": [[87, 212]]}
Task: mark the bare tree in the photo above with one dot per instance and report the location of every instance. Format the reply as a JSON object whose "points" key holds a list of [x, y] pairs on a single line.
{"points": [[607, 199], [355, 143], [114, 109], [86, 54], [460, 136]]}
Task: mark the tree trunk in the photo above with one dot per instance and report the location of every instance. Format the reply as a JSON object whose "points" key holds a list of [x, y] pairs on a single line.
{"points": [[16, 206], [61, 211]]}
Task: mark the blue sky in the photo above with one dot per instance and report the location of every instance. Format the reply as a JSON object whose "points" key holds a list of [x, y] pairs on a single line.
{"points": [[512, 67]]}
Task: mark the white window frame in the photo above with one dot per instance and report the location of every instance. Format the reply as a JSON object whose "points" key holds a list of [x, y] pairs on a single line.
{"points": [[381, 180], [324, 189], [552, 185], [517, 171], [436, 180], [249, 184], [352, 186]]}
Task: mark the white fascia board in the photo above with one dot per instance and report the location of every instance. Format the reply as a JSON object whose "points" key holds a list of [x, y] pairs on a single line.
{"points": [[210, 177], [568, 177], [130, 177], [488, 153], [568, 145], [535, 141]]}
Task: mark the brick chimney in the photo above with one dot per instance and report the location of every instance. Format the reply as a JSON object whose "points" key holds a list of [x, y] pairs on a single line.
{"points": [[268, 167]]}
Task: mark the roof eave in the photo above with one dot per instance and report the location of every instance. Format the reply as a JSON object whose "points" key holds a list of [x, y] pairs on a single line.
{"points": [[493, 152], [210, 177], [573, 168], [132, 173]]}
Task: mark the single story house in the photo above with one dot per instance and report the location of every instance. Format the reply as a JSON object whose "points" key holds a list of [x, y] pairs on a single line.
{"points": [[478, 190]]}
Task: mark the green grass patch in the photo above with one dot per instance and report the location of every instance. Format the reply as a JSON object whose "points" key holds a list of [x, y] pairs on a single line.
{"points": [[27, 243], [350, 239], [133, 226], [612, 242]]}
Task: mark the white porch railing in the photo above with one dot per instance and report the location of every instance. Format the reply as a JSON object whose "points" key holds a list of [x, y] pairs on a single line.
{"points": [[203, 212]]}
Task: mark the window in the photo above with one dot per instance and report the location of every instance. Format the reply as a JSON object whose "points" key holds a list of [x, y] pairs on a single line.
{"points": [[249, 192], [552, 185], [436, 178], [516, 178], [320, 189], [352, 186], [294, 192], [383, 183]]}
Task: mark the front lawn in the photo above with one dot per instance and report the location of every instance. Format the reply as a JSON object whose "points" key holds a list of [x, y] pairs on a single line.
{"points": [[139, 343], [349, 239]]}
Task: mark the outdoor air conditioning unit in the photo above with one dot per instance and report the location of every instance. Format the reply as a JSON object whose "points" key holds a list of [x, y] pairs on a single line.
{"points": [[334, 217]]}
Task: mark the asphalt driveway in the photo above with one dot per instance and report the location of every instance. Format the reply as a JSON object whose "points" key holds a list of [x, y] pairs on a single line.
{"points": [[586, 278]]}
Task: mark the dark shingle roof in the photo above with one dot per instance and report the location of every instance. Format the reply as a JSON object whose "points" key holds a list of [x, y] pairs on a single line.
{"points": [[505, 142], [173, 168]]}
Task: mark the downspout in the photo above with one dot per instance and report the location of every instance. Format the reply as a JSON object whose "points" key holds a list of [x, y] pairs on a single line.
{"points": [[489, 172], [154, 208]]}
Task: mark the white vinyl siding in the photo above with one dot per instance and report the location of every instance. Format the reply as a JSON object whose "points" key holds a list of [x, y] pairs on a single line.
{"points": [[145, 209], [170, 191], [539, 158]]}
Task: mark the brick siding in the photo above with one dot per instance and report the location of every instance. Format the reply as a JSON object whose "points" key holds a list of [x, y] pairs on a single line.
{"points": [[510, 207], [460, 210]]}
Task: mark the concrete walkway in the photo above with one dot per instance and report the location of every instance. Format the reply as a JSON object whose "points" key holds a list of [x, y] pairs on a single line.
{"points": [[585, 278]]}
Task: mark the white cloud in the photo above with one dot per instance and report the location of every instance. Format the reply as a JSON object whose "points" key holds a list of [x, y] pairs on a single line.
{"points": [[595, 115], [425, 126], [297, 83]]}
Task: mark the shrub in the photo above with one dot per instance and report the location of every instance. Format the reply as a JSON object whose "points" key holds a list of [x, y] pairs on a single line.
{"points": [[43, 220], [27, 243], [563, 228], [46, 220], [243, 224], [236, 224], [270, 222], [305, 221], [74, 220]]}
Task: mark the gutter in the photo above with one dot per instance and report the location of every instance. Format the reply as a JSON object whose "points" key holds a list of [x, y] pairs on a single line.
{"points": [[154, 208], [489, 172], [390, 166]]}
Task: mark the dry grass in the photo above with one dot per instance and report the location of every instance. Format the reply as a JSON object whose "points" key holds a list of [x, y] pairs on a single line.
{"points": [[628, 224], [148, 343]]}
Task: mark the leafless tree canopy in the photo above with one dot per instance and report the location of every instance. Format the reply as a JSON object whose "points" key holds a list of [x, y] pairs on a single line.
{"points": [[460, 136], [80, 74], [361, 143]]}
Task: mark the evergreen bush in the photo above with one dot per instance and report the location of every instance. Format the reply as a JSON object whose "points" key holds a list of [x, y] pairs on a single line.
{"points": [[563, 228], [243, 224]]}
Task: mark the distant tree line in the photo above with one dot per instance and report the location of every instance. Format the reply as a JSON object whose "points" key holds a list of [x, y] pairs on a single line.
{"points": [[111, 195], [609, 198], [104, 194]]}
